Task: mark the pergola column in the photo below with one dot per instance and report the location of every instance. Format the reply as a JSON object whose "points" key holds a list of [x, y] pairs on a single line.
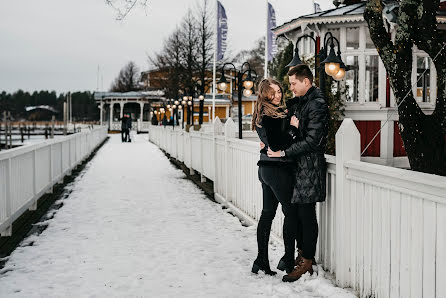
{"points": [[141, 105], [101, 109], [111, 114], [121, 105]]}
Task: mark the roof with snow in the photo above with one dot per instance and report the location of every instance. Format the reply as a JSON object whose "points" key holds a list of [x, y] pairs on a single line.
{"points": [[43, 107], [153, 94], [342, 14]]}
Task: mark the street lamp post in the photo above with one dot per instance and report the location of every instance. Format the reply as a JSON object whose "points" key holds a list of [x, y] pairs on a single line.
{"points": [[185, 109], [244, 86], [200, 116], [191, 104], [330, 64]]}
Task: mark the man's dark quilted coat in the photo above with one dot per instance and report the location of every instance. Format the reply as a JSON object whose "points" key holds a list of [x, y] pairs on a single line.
{"points": [[308, 150]]}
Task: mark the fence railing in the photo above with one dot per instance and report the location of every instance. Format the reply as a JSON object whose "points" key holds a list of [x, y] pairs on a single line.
{"points": [[382, 230], [28, 172]]}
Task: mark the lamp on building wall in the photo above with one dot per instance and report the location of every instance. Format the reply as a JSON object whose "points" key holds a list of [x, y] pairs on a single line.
{"points": [[244, 87]]}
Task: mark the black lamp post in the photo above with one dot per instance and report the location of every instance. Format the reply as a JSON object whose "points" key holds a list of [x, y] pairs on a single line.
{"points": [[191, 104], [330, 64], [244, 86], [185, 109], [200, 115]]}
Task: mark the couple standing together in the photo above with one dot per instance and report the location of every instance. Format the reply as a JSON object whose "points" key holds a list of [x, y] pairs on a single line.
{"points": [[292, 168]]}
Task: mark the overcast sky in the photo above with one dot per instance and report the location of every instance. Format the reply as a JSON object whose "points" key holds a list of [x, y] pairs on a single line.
{"points": [[59, 44]]}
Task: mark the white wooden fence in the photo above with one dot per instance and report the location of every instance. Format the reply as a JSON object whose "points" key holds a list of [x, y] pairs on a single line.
{"points": [[382, 230], [28, 172]]}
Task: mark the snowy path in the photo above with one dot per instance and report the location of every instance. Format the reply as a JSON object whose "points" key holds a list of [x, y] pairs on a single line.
{"points": [[134, 226]]}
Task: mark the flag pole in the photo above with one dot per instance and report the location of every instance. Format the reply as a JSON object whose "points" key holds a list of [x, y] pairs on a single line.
{"points": [[215, 61], [266, 41]]}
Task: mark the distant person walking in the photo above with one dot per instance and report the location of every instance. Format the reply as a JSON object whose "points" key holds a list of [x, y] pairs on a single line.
{"points": [[123, 128], [129, 128]]}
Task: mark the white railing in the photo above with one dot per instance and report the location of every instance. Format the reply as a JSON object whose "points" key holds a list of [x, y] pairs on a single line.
{"points": [[28, 172], [382, 230]]}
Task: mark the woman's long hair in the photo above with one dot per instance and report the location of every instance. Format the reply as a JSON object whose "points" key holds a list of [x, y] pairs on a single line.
{"points": [[264, 105]]}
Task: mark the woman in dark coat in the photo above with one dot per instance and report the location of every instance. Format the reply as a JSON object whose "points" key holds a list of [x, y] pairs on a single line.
{"points": [[275, 174]]}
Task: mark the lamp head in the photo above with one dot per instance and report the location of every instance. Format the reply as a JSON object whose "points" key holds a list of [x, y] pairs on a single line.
{"points": [[296, 60], [332, 62], [341, 73], [247, 92], [222, 83], [248, 82], [201, 97]]}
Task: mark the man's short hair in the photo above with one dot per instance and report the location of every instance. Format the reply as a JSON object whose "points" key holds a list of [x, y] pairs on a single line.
{"points": [[301, 72]]}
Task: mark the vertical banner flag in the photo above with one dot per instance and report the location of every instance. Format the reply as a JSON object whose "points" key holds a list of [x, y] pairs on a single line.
{"points": [[317, 7], [272, 45], [222, 30]]}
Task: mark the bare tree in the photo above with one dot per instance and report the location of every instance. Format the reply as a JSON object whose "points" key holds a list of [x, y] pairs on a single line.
{"points": [[423, 135], [127, 79], [123, 7], [189, 42], [169, 60], [205, 42]]}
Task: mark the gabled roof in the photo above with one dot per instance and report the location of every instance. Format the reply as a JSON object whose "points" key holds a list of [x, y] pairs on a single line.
{"points": [[348, 13], [155, 94], [342, 14]]}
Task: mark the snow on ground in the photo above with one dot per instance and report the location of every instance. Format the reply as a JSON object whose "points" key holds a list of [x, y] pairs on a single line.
{"points": [[134, 226]]}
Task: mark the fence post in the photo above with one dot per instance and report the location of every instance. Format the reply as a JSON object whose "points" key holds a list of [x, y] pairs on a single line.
{"points": [[217, 129], [348, 147], [8, 231], [230, 129]]}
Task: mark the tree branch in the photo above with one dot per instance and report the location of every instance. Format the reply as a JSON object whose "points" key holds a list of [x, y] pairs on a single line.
{"points": [[378, 33]]}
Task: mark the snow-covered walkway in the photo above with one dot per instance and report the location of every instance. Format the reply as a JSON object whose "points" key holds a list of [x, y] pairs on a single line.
{"points": [[134, 226]]}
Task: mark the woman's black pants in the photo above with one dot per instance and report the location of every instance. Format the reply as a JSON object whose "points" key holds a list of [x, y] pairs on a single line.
{"points": [[277, 184]]}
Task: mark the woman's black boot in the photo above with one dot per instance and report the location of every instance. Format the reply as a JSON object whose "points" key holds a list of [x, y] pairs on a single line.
{"points": [[262, 265], [286, 264]]}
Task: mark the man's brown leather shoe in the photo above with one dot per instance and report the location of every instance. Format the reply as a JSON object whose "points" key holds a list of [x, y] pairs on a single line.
{"points": [[299, 258], [303, 267]]}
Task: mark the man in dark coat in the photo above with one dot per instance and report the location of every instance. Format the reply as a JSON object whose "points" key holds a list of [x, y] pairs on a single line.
{"points": [[123, 128], [310, 117], [129, 128]]}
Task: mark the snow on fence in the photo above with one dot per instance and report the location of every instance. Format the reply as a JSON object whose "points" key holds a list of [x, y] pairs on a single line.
{"points": [[28, 172], [382, 230]]}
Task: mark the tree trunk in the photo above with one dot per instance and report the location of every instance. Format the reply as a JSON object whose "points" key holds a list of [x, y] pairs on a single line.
{"points": [[423, 135]]}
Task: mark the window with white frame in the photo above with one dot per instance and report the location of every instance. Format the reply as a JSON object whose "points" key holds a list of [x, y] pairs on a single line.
{"points": [[366, 77], [423, 67], [371, 78], [352, 78], [352, 40]]}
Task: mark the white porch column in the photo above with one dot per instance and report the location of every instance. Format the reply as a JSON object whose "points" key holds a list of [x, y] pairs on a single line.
{"points": [[386, 147], [111, 114], [101, 109], [121, 105], [209, 114], [141, 106]]}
